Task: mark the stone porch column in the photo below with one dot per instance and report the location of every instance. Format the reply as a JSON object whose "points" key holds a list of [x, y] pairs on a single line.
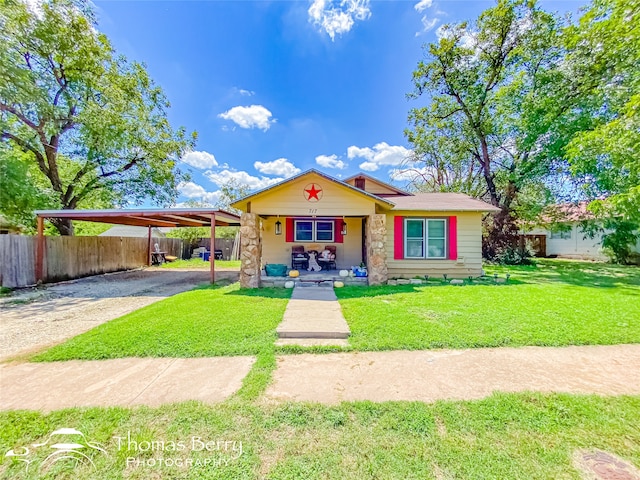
{"points": [[376, 249], [250, 250]]}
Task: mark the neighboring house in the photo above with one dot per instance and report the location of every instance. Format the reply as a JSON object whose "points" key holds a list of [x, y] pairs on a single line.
{"points": [[137, 232], [395, 233], [564, 236]]}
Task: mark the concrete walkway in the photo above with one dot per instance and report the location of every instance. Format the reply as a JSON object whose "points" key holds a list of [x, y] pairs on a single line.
{"points": [[456, 374], [120, 382], [313, 317]]}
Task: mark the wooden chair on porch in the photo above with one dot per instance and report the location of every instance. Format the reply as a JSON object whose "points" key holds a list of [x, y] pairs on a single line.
{"points": [[328, 262], [299, 258]]}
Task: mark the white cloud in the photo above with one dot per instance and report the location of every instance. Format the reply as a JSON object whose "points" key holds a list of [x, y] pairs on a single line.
{"points": [[467, 39], [242, 92], [427, 24], [355, 152], [194, 191], [422, 5], [330, 161], [281, 167], [243, 178], [338, 17], [253, 116], [380, 155], [199, 159], [369, 166]]}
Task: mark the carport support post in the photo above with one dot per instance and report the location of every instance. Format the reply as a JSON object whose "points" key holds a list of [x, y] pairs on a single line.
{"points": [[149, 246], [212, 254], [40, 251]]}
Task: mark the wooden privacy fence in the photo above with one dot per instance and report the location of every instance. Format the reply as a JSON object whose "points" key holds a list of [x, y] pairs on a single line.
{"points": [[66, 258], [224, 244]]}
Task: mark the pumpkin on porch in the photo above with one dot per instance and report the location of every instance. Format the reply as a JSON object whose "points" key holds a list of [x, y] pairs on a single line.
{"points": [[294, 273]]}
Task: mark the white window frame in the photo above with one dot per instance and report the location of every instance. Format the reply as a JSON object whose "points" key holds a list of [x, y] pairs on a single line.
{"points": [[333, 230], [314, 230], [425, 238]]}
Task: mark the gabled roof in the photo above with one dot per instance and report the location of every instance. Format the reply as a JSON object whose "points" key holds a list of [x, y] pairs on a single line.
{"points": [[440, 202], [379, 182], [238, 203]]}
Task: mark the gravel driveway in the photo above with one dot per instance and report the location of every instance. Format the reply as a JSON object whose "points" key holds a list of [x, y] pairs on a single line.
{"points": [[34, 318]]}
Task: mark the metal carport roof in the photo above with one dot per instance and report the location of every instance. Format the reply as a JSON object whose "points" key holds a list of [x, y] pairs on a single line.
{"points": [[167, 217]]}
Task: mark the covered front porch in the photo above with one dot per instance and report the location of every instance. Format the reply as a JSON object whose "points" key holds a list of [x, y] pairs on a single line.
{"points": [[272, 239], [312, 213], [345, 237]]}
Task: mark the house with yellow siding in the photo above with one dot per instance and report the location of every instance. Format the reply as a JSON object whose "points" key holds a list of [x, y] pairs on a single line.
{"points": [[360, 220]]}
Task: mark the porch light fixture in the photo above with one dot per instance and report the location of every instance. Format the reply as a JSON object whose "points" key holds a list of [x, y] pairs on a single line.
{"points": [[278, 226], [344, 227]]}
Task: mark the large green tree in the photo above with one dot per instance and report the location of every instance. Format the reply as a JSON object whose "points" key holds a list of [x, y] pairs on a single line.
{"points": [[490, 122], [604, 156], [90, 120], [19, 194], [604, 46]]}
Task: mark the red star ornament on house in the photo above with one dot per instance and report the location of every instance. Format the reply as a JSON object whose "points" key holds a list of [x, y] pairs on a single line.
{"points": [[313, 192]]}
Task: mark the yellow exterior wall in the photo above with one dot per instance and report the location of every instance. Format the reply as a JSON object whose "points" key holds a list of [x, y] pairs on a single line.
{"points": [[469, 260], [289, 200], [275, 249]]}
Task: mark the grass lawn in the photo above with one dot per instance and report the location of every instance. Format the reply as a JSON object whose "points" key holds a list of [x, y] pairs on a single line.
{"points": [[554, 303], [208, 321], [506, 436], [199, 263]]}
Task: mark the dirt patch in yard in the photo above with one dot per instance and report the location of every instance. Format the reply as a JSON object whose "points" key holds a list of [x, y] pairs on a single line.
{"points": [[32, 319]]}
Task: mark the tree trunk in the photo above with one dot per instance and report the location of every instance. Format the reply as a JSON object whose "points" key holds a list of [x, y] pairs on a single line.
{"points": [[63, 225], [501, 230], [486, 171]]}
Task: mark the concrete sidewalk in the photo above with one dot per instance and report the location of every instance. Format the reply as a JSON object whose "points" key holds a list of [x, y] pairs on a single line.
{"points": [[456, 374], [312, 316], [120, 382], [377, 376]]}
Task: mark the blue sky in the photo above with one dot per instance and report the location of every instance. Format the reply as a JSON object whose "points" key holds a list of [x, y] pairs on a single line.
{"points": [[277, 87]]}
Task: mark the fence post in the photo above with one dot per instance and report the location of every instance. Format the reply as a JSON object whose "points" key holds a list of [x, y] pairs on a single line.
{"points": [[40, 251], [149, 246], [212, 249]]}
